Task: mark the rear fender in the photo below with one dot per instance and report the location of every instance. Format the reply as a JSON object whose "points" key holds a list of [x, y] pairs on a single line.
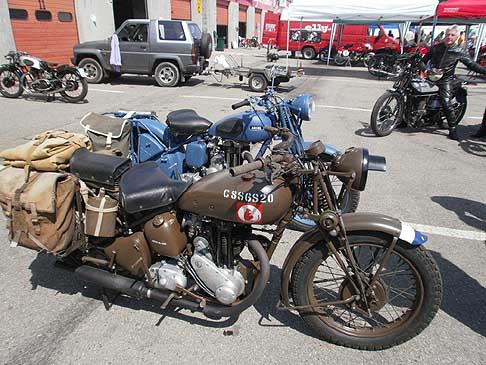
{"points": [[354, 222], [64, 70]]}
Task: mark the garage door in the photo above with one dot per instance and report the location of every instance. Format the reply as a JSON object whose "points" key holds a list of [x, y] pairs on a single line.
{"points": [[222, 13], [180, 9], [242, 17], [258, 23], [48, 33]]}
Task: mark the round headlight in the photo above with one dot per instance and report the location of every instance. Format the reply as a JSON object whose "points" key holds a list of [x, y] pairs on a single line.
{"points": [[303, 106]]}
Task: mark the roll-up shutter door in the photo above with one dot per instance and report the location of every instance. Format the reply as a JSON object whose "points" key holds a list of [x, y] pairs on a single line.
{"points": [[222, 12], [180, 9]]}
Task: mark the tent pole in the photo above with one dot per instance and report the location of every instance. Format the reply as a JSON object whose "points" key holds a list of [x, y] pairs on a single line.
{"points": [[434, 24], [331, 41], [288, 37], [478, 41]]}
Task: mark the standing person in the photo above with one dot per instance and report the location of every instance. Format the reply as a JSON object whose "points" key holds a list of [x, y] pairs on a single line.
{"points": [[482, 130], [390, 33], [444, 57]]}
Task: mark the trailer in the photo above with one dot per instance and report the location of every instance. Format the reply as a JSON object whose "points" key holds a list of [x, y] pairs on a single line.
{"points": [[225, 66]]}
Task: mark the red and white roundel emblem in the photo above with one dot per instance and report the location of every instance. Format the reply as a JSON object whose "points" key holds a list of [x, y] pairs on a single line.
{"points": [[249, 213]]}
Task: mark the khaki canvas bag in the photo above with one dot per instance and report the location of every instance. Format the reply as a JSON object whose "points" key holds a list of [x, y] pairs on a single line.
{"points": [[40, 212], [48, 151], [108, 135]]}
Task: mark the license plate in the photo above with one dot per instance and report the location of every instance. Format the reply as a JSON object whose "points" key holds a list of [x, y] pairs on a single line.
{"points": [[82, 72]]}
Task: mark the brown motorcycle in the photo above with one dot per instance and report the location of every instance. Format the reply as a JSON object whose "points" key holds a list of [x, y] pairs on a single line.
{"points": [[360, 280]]}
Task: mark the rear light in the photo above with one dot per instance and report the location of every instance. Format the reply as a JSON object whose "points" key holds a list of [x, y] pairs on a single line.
{"points": [[193, 54]]}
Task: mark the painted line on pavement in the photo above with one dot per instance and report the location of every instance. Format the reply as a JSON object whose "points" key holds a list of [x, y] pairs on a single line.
{"points": [[342, 107], [449, 232], [107, 91], [317, 106]]}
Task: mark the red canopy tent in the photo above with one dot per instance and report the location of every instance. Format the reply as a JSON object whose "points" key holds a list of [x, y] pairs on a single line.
{"points": [[462, 11]]}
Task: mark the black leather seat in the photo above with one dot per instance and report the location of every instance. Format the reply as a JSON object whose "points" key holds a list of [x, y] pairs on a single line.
{"points": [[186, 122], [97, 168], [146, 186]]}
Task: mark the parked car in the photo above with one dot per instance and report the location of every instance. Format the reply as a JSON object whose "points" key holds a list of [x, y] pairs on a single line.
{"points": [[170, 50]]}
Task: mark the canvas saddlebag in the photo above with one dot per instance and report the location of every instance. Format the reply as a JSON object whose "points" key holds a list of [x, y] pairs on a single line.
{"points": [[40, 212], [108, 135], [48, 151]]}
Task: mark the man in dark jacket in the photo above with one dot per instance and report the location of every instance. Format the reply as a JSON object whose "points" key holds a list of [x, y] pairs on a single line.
{"points": [[444, 57]]}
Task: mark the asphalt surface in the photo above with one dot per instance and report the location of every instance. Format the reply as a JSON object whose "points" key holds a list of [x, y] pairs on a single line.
{"points": [[47, 316]]}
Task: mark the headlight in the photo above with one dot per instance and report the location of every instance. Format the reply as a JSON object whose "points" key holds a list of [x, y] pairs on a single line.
{"points": [[303, 106], [359, 161]]}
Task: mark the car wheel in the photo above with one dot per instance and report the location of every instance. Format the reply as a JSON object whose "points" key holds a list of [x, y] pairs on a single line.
{"points": [[93, 70], [167, 74], [308, 53]]}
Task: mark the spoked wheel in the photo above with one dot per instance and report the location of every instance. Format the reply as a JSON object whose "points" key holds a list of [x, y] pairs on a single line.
{"points": [[387, 114], [10, 85], [340, 60], [399, 303], [75, 87], [460, 111]]}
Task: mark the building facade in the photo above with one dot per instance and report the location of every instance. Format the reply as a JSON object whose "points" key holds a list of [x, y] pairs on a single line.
{"points": [[50, 28]]}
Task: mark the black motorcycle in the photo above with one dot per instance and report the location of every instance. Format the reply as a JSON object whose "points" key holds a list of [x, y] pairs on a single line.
{"points": [[35, 76], [414, 101]]}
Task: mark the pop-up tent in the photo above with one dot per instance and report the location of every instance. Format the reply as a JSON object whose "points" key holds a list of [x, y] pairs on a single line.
{"points": [[363, 12]]}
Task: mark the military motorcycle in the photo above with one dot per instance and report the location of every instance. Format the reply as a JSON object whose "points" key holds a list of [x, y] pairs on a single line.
{"points": [[35, 76], [360, 280], [414, 101]]}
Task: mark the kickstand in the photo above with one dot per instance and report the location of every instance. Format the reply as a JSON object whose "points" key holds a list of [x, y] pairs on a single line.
{"points": [[107, 301]]}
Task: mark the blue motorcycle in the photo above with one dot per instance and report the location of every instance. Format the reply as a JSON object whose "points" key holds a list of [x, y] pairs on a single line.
{"points": [[188, 146]]}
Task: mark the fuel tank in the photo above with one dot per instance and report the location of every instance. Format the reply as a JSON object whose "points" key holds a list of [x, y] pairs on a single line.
{"points": [[247, 199], [243, 127]]}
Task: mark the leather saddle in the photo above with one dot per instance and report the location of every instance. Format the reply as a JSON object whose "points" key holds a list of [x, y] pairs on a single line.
{"points": [[186, 122], [146, 186], [98, 169]]}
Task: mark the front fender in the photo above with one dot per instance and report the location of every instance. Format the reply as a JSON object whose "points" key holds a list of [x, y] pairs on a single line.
{"points": [[12, 68], [353, 222]]}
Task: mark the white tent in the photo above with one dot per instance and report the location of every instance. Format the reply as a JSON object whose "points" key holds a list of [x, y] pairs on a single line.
{"points": [[363, 12]]}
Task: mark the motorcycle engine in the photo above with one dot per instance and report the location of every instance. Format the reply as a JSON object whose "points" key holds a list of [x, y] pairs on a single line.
{"points": [[168, 275], [224, 284], [41, 85]]}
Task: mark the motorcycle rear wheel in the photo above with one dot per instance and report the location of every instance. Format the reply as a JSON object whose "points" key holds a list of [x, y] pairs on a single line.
{"points": [[401, 303], [385, 117], [10, 85], [340, 60]]}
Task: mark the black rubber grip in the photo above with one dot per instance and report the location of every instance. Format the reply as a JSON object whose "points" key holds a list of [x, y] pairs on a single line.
{"points": [[240, 104]]}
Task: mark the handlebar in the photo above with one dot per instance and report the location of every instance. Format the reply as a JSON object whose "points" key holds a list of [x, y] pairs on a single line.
{"points": [[245, 102], [256, 165]]}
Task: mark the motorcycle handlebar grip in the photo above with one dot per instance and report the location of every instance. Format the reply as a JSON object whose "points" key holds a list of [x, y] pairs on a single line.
{"points": [[243, 169], [240, 104]]}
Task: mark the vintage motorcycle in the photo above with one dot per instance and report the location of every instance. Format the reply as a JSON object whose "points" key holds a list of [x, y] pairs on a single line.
{"points": [[353, 54], [207, 148], [414, 101], [27, 73], [361, 280], [389, 63]]}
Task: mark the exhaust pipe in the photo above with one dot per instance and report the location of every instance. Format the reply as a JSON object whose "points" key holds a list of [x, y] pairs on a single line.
{"points": [[137, 289], [383, 72]]}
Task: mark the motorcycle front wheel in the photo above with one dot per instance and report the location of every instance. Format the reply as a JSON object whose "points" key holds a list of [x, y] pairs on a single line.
{"points": [[10, 85], [387, 114], [399, 304], [75, 87]]}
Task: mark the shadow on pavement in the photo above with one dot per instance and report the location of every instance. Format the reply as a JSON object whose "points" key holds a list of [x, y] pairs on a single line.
{"points": [[476, 147], [473, 213], [464, 297], [147, 81]]}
